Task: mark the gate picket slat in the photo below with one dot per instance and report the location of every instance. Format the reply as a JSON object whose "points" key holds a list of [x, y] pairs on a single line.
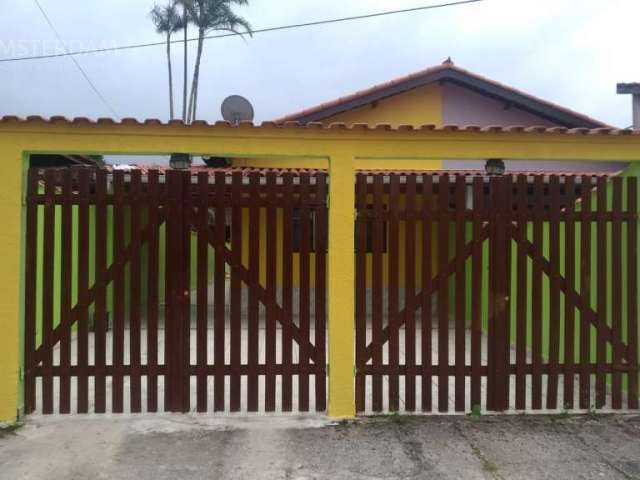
{"points": [[443, 295], [183, 211], [31, 275], [521, 295], [460, 293], [219, 293], [47, 287], [271, 265], [236, 290], [536, 296], [361, 289], [153, 297], [134, 315], [427, 275], [554, 293], [585, 293], [569, 309], [101, 286], [82, 286], [287, 290], [305, 289], [601, 345], [476, 303], [253, 311], [393, 259], [632, 292], [501, 265], [616, 292], [377, 289], [118, 292], [202, 290], [170, 334], [66, 236], [410, 293], [320, 291]]}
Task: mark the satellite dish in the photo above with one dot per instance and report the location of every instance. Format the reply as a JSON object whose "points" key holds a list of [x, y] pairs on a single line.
{"points": [[236, 109]]}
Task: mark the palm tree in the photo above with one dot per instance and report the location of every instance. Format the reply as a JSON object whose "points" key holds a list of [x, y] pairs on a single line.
{"points": [[209, 16], [167, 22]]}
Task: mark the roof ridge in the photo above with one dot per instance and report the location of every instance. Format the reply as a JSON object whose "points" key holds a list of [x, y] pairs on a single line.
{"points": [[446, 66]]}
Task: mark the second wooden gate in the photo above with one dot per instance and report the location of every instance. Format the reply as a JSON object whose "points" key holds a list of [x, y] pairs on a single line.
{"points": [[513, 292]]}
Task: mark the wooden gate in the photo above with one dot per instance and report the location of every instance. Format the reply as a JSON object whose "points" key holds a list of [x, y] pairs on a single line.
{"points": [[495, 293], [170, 291]]}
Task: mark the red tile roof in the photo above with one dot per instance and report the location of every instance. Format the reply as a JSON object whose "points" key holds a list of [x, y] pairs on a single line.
{"points": [[360, 127], [445, 71]]}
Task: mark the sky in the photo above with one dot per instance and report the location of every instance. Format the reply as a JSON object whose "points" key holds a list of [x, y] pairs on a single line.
{"points": [[572, 52]]}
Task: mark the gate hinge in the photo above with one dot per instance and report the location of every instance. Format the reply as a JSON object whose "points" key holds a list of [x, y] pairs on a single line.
{"points": [[20, 373]]}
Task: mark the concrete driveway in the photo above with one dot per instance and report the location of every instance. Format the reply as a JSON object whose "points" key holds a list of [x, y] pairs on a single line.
{"points": [[403, 447]]}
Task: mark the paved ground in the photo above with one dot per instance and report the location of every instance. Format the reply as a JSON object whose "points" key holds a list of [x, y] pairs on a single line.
{"points": [[204, 447]]}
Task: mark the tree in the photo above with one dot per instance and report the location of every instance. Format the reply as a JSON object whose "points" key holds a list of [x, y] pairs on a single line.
{"points": [[167, 22], [209, 16]]}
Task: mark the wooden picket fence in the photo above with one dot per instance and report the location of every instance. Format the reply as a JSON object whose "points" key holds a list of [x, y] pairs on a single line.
{"points": [[492, 289], [117, 249]]}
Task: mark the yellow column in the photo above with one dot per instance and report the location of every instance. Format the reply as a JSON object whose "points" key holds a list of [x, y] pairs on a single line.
{"points": [[341, 286], [11, 170]]}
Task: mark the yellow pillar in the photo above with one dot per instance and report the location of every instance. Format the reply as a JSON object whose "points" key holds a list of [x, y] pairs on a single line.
{"points": [[11, 169], [341, 286]]}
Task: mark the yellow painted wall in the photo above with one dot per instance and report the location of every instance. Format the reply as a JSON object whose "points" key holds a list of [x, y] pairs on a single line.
{"points": [[11, 237], [421, 106], [344, 148]]}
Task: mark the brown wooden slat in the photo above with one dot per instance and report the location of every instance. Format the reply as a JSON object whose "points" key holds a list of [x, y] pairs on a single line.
{"points": [[171, 382], [31, 269], [305, 289], [521, 295], [585, 292], [569, 309], [100, 296], [393, 259], [460, 289], [410, 294], [536, 299], [253, 312], [360, 290], [477, 287], [632, 292], [66, 236], [320, 324], [601, 345], [426, 304], [153, 298], [118, 316], [183, 209], [47, 290], [82, 285], [219, 294], [501, 266], [135, 322], [443, 296], [377, 290], [287, 291], [271, 277], [554, 295], [202, 286], [616, 293], [236, 292]]}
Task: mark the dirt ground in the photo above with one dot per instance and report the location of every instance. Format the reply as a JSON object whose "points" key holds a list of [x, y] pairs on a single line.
{"points": [[257, 447]]}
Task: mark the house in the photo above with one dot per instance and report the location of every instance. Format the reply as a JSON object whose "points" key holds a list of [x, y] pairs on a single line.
{"points": [[450, 95]]}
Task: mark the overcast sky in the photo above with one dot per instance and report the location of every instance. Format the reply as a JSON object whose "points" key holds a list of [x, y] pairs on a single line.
{"points": [[572, 52]]}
